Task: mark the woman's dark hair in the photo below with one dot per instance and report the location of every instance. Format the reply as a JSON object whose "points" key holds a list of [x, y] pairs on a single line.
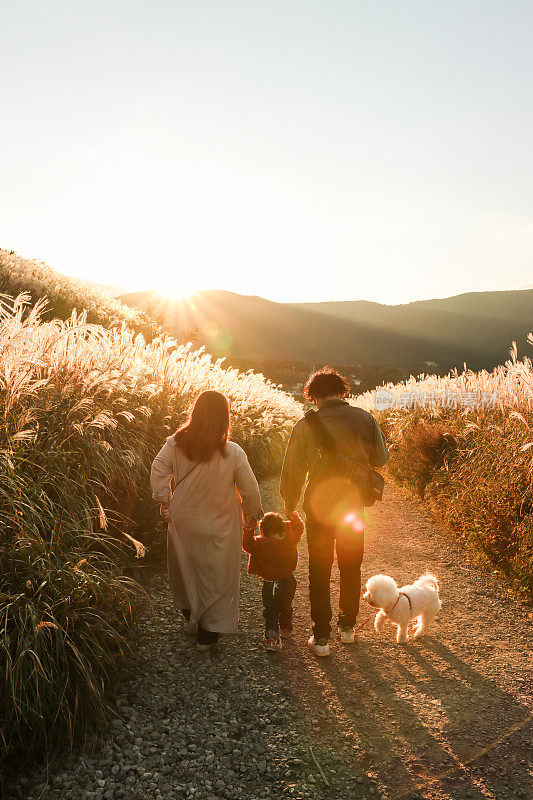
{"points": [[207, 429], [327, 382], [272, 524]]}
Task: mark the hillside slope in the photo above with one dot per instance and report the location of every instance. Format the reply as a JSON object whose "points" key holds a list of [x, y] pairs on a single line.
{"points": [[64, 294], [476, 328]]}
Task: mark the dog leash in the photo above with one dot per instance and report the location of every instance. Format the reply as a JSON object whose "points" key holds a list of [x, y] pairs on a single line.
{"points": [[362, 625], [400, 594]]}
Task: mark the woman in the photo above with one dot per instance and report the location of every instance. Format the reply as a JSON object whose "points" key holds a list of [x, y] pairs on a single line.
{"points": [[205, 516]]}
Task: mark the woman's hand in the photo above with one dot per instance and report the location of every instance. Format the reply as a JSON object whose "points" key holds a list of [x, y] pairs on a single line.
{"points": [[164, 510], [250, 522]]}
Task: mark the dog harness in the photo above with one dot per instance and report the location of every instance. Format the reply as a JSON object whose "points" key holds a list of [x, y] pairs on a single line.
{"points": [[400, 594]]}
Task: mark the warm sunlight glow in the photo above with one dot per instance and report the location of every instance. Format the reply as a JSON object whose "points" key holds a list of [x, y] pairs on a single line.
{"points": [[182, 291], [171, 283]]}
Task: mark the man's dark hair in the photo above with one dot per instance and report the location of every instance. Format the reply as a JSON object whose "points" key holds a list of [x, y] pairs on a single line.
{"points": [[272, 524], [327, 382]]}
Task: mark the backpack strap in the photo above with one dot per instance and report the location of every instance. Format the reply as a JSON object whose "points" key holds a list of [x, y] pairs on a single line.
{"points": [[363, 475], [322, 434]]}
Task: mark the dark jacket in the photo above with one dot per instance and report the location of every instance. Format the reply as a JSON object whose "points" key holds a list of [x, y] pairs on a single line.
{"points": [[356, 433], [271, 558]]}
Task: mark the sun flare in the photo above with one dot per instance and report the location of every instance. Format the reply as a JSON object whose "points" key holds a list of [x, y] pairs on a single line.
{"points": [[179, 291]]}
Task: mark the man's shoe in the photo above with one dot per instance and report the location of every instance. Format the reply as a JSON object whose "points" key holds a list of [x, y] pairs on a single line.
{"points": [[272, 642], [347, 635], [320, 648]]}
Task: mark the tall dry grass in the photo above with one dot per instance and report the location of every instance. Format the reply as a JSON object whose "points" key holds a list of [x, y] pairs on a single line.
{"points": [[83, 410], [471, 459], [510, 384]]}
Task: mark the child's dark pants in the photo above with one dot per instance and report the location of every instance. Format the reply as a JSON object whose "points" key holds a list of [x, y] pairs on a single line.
{"points": [[277, 604]]}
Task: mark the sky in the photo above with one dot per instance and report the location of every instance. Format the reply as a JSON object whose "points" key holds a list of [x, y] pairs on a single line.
{"points": [[344, 149]]}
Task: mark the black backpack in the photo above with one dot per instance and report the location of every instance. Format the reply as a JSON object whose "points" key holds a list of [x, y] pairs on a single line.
{"points": [[333, 463]]}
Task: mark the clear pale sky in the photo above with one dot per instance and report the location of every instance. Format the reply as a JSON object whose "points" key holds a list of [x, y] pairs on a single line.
{"points": [[297, 150]]}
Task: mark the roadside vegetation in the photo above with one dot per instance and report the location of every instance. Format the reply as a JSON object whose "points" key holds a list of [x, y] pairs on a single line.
{"points": [[83, 410], [464, 443]]}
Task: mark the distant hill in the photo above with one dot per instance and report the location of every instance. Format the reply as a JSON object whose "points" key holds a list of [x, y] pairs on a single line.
{"points": [[483, 323], [428, 335]]}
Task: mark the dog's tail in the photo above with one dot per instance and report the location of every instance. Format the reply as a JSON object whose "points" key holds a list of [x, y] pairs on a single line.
{"points": [[429, 580]]}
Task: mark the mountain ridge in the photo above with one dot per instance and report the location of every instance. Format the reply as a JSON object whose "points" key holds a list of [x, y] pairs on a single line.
{"points": [[476, 327]]}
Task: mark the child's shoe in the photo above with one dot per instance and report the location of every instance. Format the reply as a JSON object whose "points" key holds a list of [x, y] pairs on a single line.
{"points": [[320, 648], [272, 643]]}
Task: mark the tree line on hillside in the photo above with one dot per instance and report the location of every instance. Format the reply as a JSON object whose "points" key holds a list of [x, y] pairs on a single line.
{"points": [[291, 375]]}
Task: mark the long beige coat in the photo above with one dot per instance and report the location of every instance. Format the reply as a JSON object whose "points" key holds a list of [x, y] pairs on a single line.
{"points": [[205, 530]]}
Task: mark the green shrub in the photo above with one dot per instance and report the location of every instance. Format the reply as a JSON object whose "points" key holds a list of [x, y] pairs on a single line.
{"points": [[419, 447]]}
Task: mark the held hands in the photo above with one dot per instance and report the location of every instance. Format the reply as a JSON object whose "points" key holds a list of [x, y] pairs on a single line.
{"points": [[292, 514], [250, 522], [164, 510]]}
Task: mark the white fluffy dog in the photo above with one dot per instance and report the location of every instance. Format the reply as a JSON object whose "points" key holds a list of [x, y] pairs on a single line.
{"points": [[420, 600]]}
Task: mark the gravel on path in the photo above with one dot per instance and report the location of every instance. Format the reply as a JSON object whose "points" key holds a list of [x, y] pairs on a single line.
{"points": [[445, 718]]}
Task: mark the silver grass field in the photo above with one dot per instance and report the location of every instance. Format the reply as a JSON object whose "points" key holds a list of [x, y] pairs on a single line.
{"points": [[83, 410]]}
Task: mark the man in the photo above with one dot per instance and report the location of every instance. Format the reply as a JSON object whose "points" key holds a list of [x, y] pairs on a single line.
{"points": [[334, 511]]}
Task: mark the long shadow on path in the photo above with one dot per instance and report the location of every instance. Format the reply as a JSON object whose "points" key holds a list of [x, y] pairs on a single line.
{"points": [[422, 723]]}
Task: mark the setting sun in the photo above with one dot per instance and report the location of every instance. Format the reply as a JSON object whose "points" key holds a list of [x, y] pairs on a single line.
{"points": [[178, 291]]}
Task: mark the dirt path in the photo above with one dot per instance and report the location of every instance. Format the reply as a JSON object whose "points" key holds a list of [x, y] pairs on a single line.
{"points": [[448, 717]]}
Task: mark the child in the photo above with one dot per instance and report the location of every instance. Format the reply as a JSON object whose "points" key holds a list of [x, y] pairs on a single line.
{"points": [[273, 557]]}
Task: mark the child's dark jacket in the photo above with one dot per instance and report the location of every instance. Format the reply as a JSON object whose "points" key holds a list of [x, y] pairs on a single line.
{"points": [[271, 558]]}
